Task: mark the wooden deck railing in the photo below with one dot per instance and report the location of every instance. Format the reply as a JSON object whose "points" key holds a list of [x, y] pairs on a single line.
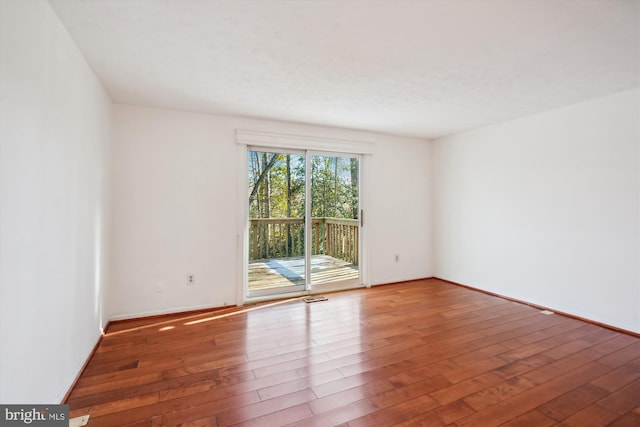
{"points": [[284, 237]]}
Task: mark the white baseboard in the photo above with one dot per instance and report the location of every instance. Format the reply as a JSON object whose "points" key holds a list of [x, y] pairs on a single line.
{"points": [[127, 316]]}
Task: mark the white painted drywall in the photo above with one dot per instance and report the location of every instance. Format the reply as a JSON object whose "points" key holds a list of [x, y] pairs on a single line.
{"points": [[546, 209], [54, 134], [176, 208], [398, 181]]}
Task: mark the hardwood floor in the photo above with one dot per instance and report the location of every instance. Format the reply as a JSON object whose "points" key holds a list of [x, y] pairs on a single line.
{"points": [[419, 353]]}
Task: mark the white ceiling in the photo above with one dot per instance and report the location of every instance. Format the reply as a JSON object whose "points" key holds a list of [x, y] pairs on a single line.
{"points": [[416, 68]]}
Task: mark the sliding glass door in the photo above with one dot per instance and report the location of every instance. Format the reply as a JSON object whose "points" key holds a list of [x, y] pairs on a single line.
{"points": [[277, 187], [287, 252], [335, 211]]}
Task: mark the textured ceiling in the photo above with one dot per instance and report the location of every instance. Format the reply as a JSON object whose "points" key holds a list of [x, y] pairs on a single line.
{"points": [[416, 68]]}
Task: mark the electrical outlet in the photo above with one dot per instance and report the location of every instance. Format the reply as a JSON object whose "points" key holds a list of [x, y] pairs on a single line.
{"points": [[191, 279], [79, 421], [397, 258]]}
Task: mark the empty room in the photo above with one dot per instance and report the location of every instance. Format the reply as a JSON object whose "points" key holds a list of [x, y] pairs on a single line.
{"points": [[320, 213]]}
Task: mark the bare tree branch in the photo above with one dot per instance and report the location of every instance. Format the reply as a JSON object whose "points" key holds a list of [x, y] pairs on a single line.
{"points": [[262, 176]]}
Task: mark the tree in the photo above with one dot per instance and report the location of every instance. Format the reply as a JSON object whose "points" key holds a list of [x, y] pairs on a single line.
{"points": [[353, 167], [263, 174], [277, 186]]}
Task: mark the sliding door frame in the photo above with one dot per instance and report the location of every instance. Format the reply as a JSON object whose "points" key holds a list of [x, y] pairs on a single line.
{"points": [[309, 287], [293, 288], [283, 143], [339, 284]]}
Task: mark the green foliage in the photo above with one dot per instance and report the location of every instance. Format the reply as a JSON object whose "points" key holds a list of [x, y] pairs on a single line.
{"points": [[333, 193], [277, 186]]}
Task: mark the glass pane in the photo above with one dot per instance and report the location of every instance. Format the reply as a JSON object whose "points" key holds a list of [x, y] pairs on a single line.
{"points": [[276, 244], [334, 208]]}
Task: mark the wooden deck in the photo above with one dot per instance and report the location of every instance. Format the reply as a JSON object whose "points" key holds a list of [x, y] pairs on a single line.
{"points": [[418, 353], [280, 272]]}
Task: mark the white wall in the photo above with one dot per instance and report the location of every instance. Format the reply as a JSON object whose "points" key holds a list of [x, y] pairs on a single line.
{"points": [[176, 207], [54, 133], [546, 209]]}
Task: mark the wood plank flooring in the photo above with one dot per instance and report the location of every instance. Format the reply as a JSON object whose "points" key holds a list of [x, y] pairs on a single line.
{"points": [[419, 353]]}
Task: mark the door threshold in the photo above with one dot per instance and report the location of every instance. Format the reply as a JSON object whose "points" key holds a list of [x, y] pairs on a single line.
{"points": [[317, 289], [271, 297]]}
